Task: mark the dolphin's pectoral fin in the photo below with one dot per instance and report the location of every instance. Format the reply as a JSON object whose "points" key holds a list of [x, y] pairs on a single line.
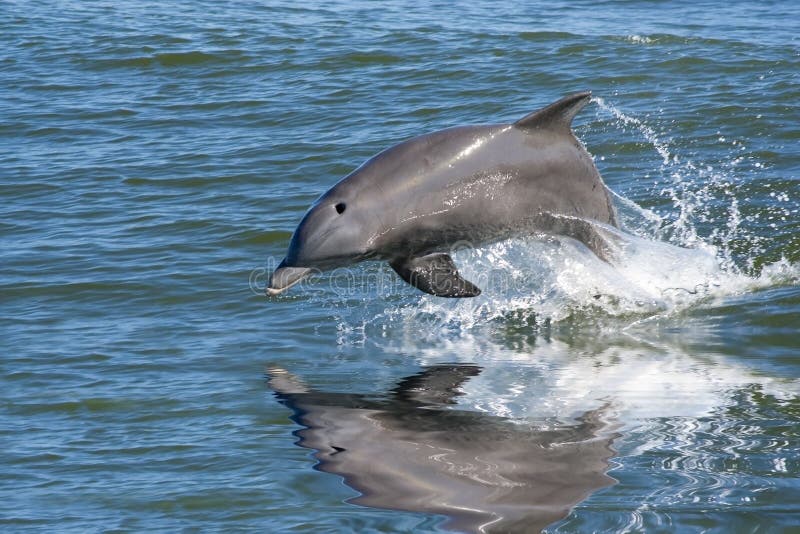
{"points": [[436, 385], [435, 274]]}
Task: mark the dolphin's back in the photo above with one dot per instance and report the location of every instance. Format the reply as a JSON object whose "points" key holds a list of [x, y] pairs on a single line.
{"points": [[483, 183]]}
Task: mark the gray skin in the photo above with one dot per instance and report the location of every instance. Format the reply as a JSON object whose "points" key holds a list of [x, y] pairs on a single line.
{"points": [[414, 202], [414, 450]]}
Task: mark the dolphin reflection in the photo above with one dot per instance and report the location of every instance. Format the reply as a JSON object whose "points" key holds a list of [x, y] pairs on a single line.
{"points": [[414, 451]]}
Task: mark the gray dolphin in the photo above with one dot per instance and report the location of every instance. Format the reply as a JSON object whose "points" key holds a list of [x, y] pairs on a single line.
{"points": [[415, 451], [410, 204]]}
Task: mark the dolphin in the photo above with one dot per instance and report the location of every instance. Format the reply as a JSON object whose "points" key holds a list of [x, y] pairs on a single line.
{"points": [[412, 203], [414, 450]]}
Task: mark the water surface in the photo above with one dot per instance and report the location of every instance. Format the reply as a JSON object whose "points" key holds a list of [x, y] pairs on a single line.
{"points": [[156, 157]]}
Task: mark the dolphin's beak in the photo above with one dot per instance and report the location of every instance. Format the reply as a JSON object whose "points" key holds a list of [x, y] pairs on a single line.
{"points": [[285, 277]]}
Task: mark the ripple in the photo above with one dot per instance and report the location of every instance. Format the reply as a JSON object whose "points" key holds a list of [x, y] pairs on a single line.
{"points": [[156, 158], [168, 59]]}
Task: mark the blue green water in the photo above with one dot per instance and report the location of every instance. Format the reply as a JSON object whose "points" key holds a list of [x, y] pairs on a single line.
{"points": [[156, 156]]}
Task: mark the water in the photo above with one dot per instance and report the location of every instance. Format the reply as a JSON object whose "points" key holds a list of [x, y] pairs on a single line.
{"points": [[156, 157]]}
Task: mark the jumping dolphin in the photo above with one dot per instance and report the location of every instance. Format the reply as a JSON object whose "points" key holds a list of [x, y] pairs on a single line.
{"points": [[414, 202], [418, 452]]}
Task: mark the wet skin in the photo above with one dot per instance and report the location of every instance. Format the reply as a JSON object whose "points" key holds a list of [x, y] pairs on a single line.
{"points": [[413, 203]]}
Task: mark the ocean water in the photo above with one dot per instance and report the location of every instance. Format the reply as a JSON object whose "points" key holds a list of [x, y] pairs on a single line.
{"points": [[156, 156]]}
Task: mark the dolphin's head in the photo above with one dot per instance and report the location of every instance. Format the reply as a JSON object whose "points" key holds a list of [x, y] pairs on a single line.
{"points": [[336, 231]]}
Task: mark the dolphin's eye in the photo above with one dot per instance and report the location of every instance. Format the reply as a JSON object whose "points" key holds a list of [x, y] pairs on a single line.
{"points": [[340, 207]]}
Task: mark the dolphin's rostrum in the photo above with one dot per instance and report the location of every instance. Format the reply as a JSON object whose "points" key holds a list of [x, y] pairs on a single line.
{"points": [[412, 203]]}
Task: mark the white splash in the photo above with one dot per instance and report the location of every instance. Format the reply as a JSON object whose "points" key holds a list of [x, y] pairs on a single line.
{"points": [[639, 39], [638, 380]]}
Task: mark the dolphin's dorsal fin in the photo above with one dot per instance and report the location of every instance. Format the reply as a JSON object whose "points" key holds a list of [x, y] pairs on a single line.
{"points": [[556, 116], [435, 274]]}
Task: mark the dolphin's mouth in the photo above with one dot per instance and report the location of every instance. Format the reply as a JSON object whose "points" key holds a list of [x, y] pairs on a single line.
{"points": [[285, 277]]}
